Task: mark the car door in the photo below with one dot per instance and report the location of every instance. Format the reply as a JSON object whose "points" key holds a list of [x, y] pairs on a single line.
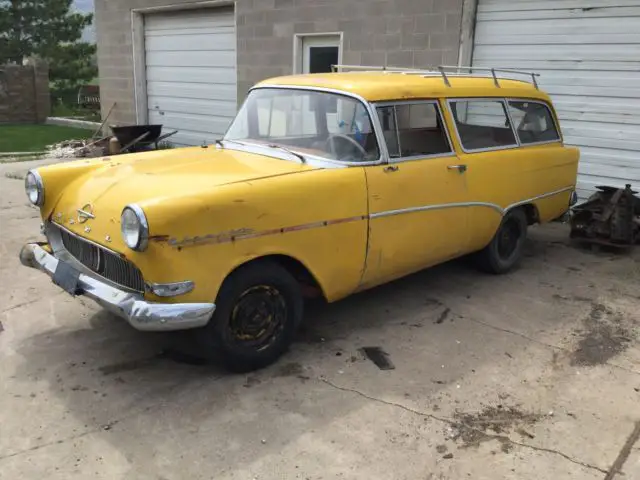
{"points": [[417, 201]]}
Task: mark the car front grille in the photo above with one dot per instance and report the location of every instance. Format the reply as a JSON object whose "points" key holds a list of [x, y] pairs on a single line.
{"points": [[102, 261]]}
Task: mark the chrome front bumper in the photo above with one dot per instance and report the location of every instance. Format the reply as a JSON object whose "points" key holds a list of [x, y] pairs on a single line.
{"points": [[142, 315]]}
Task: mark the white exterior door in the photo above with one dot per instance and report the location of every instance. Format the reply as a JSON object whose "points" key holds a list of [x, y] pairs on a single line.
{"points": [[588, 55], [191, 73], [319, 53]]}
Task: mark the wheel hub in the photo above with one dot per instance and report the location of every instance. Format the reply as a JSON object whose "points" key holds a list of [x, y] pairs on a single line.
{"points": [[259, 313]]}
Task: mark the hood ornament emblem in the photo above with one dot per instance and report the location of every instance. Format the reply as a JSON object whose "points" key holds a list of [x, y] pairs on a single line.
{"points": [[85, 213]]}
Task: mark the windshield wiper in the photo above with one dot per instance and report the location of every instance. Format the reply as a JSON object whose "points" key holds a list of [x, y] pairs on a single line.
{"points": [[220, 141], [290, 152]]}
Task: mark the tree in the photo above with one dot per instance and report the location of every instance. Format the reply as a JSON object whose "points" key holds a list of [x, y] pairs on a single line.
{"points": [[50, 30]]}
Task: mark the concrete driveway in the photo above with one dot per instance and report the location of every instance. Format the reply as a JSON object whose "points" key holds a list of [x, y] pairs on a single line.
{"points": [[533, 375]]}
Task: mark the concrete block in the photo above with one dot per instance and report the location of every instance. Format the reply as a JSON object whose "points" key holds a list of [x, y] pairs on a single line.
{"points": [[444, 41], [413, 41], [402, 58], [387, 42], [431, 23], [373, 58], [428, 58]]}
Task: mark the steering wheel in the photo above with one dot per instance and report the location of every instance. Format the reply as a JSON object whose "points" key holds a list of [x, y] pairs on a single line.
{"points": [[331, 142]]}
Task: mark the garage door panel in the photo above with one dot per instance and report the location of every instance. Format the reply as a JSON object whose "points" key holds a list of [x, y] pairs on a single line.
{"points": [[191, 31], [205, 91], [614, 144], [605, 156], [608, 53], [620, 130], [191, 59], [191, 122], [557, 14], [187, 43], [554, 27], [187, 20], [610, 171], [585, 5], [224, 108], [562, 40], [622, 91], [588, 78], [600, 117], [588, 55], [192, 74], [569, 64]]}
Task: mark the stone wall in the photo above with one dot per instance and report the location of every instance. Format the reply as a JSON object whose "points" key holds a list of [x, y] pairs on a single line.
{"points": [[414, 33], [24, 93]]}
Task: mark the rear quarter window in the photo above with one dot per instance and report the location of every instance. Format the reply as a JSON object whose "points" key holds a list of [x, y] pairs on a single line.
{"points": [[482, 124], [534, 121]]}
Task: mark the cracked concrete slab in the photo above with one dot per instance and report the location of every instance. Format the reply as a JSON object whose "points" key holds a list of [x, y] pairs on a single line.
{"points": [[85, 396]]}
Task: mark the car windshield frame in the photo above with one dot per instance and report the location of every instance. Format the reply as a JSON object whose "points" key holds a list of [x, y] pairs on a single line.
{"points": [[263, 147]]}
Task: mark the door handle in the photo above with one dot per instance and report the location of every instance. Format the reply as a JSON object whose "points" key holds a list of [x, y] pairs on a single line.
{"points": [[391, 168], [460, 168]]}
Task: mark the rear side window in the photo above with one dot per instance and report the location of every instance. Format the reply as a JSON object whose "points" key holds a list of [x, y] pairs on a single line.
{"points": [[413, 130], [482, 124], [534, 122]]}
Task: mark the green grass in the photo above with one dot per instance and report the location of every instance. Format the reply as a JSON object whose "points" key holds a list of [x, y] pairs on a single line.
{"points": [[65, 111], [35, 138]]}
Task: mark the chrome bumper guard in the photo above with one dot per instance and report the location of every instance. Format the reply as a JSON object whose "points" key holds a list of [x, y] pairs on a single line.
{"points": [[142, 315]]}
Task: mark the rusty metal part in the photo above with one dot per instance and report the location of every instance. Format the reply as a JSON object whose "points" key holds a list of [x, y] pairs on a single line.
{"points": [[610, 217]]}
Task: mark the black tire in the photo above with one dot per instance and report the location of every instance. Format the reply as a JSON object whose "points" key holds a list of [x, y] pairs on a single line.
{"points": [[261, 300], [506, 248]]}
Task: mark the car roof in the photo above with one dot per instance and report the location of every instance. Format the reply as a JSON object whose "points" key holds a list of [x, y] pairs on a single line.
{"points": [[386, 86]]}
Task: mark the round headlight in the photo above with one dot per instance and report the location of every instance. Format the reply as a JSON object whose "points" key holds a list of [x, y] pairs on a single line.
{"points": [[34, 187], [134, 227]]}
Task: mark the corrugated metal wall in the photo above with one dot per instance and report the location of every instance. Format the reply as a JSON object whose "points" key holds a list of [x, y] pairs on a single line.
{"points": [[588, 53]]}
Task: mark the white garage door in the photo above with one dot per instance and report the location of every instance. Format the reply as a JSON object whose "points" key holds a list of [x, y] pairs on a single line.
{"points": [[588, 55], [191, 73]]}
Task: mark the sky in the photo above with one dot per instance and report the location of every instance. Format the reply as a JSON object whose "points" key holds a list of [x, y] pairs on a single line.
{"points": [[86, 6]]}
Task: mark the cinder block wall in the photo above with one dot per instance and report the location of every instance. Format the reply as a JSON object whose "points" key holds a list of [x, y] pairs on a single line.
{"points": [[414, 33], [24, 93]]}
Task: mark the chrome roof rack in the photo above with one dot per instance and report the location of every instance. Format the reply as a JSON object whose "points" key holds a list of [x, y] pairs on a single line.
{"points": [[444, 71]]}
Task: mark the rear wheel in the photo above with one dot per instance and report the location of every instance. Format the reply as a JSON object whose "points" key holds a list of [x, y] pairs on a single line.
{"points": [[506, 248], [258, 309]]}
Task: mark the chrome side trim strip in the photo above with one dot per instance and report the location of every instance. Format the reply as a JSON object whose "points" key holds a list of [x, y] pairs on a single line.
{"points": [[246, 234], [540, 197], [443, 206], [494, 206]]}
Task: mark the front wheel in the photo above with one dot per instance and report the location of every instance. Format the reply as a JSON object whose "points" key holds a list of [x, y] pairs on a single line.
{"points": [[506, 248], [258, 309]]}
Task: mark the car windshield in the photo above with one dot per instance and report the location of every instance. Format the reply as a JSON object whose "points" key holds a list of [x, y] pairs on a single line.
{"points": [[326, 125]]}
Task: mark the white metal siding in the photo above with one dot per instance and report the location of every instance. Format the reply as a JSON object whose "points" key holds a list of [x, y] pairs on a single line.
{"points": [[191, 73], [588, 55]]}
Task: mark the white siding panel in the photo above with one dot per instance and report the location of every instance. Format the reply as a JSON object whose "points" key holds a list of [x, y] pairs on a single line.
{"points": [[189, 20], [195, 42], [588, 55], [191, 73], [191, 59]]}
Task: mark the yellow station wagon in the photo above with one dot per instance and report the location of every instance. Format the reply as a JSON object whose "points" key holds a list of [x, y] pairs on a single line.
{"points": [[324, 184]]}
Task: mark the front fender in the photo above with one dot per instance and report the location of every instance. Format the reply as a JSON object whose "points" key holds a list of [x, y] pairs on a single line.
{"points": [[317, 217]]}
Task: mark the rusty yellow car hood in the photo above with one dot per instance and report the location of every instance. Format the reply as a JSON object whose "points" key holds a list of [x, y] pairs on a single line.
{"points": [[169, 177]]}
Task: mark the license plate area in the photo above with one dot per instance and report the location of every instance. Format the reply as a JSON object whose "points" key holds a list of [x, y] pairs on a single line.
{"points": [[67, 278]]}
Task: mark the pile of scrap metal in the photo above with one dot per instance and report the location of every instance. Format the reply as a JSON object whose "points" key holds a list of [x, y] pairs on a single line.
{"points": [[609, 217]]}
